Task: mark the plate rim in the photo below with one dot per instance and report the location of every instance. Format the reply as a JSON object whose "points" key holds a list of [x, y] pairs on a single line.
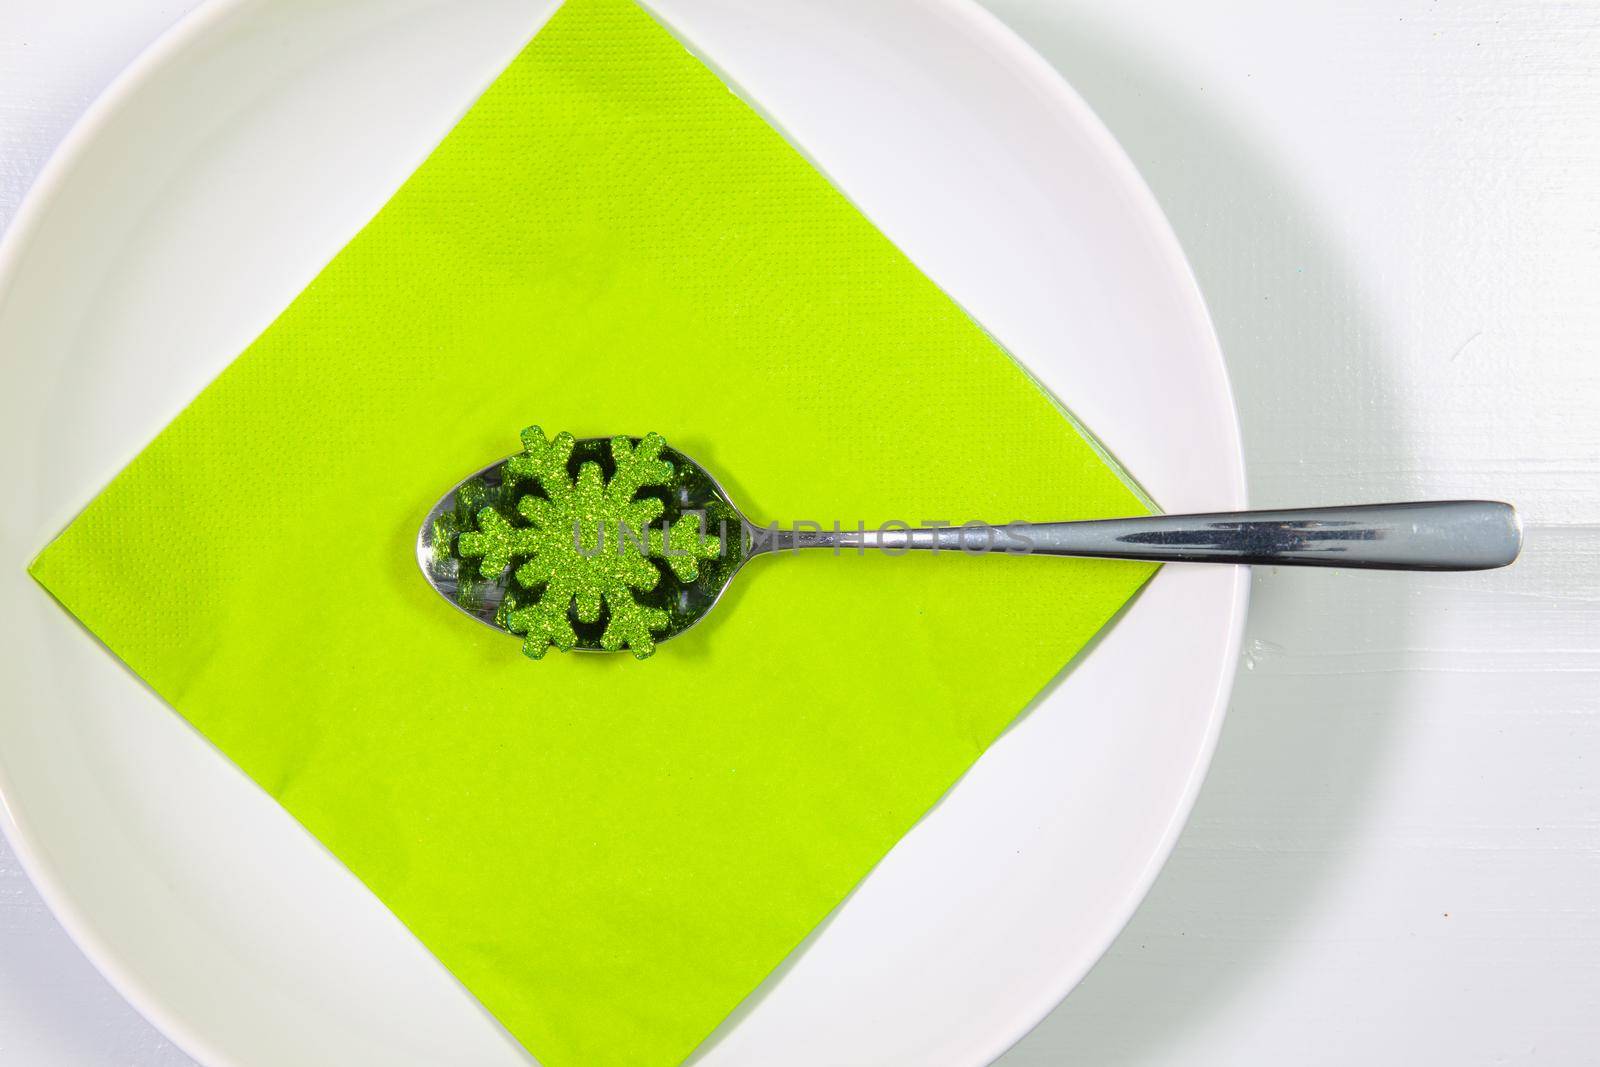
{"points": [[984, 25]]}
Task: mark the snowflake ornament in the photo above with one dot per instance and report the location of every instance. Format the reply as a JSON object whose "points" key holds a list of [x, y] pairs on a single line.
{"points": [[584, 546]]}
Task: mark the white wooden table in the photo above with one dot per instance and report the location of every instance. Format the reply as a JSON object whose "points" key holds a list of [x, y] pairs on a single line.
{"points": [[1394, 211]]}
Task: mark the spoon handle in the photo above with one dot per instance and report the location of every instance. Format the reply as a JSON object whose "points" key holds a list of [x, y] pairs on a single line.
{"points": [[1446, 535]]}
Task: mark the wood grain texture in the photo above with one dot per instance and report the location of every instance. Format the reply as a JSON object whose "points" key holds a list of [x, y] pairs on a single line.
{"points": [[1394, 212]]}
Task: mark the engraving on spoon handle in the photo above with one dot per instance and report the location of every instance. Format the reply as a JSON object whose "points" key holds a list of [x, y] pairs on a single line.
{"points": [[1447, 535]]}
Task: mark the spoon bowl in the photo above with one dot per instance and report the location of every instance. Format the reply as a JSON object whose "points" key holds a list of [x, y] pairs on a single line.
{"points": [[691, 491]]}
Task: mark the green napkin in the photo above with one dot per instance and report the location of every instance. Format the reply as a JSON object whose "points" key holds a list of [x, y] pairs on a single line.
{"points": [[610, 854]]}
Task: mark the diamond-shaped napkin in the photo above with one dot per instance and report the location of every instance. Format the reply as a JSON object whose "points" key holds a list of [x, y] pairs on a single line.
{"points": [[610, 854]]}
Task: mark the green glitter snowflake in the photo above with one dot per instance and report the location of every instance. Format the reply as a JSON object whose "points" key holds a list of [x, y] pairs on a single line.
{"points": [[587, 543]]}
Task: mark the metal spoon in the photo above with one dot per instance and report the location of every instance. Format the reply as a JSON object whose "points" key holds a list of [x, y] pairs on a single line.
{"points": [[1451, 535]]}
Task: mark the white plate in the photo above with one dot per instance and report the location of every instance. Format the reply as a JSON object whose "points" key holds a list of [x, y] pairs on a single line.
{"points": [[206, 188]]}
